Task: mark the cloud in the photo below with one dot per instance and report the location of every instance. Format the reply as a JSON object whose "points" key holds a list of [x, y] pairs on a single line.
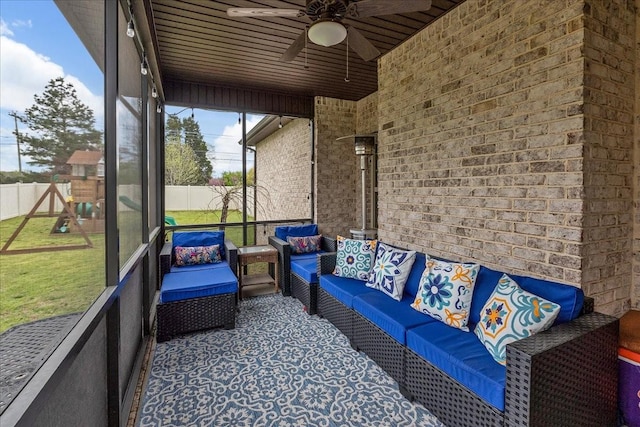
{"points": [[24, 73], [228, 152], [4, 29]]}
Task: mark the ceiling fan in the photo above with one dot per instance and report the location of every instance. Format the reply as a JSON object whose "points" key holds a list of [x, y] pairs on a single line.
{"points": [[326, 16]]}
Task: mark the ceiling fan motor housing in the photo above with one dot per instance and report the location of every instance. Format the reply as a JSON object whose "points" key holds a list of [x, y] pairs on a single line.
{"points": [[335, 9]]}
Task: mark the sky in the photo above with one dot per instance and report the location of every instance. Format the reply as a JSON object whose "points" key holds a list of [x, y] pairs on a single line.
{"points": [[37, 44]]}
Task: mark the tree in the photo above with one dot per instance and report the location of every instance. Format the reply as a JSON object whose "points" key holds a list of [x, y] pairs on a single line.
{"points": [[181, 167], [193, 138], [231, 190], [187, 131], [235, 178], [59, 124]]}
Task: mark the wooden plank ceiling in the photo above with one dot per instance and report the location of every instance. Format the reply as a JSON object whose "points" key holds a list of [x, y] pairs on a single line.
{"points": [[198, 43]]}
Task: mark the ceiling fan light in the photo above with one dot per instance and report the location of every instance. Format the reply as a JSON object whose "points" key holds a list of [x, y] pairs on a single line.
{"points": [[327, 33]]}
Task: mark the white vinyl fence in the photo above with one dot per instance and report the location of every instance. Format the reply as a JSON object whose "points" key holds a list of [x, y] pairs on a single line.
{"points": [[18, 199]]}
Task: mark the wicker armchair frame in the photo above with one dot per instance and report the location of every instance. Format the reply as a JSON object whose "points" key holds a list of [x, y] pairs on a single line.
{"points": [[565, 376], [328, 244], [306, 292], [196, 314]]}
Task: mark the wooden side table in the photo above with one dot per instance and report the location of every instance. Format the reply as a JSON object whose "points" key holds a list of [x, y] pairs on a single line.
{"points": [[250, 255]]}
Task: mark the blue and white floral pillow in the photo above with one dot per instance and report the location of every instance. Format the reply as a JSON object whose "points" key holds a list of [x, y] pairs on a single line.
{"points": [[390, 270], [510, 314], [354, 258], [446, 290]]}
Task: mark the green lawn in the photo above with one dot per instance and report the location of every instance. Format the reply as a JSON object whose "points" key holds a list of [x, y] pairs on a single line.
{"points": [[44, 284]]}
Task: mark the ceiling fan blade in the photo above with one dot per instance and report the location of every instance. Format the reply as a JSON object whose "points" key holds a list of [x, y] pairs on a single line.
{"points": [[361, 45], [264, 12], [295, 48], [365, 8]]}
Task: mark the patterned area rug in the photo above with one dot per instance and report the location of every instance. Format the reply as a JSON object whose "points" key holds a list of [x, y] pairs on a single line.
{"points": [[279, 367]]}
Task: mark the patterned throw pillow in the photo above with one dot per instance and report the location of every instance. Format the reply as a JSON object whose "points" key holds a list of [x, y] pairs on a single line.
{"points": [[445, 292], [390, 270], [191, 255], [354, 258], [510, 314], [306, 244]]}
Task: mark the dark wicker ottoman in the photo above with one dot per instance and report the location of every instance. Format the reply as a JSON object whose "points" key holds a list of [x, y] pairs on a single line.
{"points": [[306, 292], [196, 314]]}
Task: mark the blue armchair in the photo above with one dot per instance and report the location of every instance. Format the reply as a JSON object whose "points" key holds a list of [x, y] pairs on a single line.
{"points": [[202, 292], [298, 271]]}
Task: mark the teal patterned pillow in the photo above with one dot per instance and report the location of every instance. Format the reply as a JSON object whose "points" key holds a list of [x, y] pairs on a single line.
{"points": [[391, 270], [446, 290], [510, 314], [354, 258], [305, 245]]}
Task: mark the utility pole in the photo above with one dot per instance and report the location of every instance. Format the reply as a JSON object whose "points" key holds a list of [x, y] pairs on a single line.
{"points": [[17, 134]]}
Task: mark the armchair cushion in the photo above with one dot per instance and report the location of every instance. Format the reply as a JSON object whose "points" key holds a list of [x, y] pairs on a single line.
{"points": [[199, 238], [284, 231], [305, 244], [190, 255], [193, 283]]}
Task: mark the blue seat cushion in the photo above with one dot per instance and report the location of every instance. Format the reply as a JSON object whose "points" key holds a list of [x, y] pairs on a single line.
{"points": [[305, 266], [197, 283], [568, 297], [461, 356], [284, 231], [198, 238], [343, 289], [392, 316]]}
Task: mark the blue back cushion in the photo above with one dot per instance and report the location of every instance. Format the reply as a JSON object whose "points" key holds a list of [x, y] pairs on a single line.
{"points": [[283, 231], [413, 281], [568, 297], [199, 238]]}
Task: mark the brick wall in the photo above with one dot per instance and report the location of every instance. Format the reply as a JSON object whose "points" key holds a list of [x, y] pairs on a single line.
{"points": [[283, 173], [493, 141], [608, 154], [367, 114], [337, 170]]}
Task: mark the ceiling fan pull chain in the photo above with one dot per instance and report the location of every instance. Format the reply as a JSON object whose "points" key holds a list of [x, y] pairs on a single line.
{"points": [[346, 79]]}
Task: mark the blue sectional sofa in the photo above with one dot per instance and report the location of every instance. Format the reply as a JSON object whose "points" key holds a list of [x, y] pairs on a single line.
{"points": [[298, 273], [200, 295], [564, 376]]}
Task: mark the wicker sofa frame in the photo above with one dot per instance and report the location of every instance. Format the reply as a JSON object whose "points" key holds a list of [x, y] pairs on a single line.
{"points": [[561, 377], [196, 314]]}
